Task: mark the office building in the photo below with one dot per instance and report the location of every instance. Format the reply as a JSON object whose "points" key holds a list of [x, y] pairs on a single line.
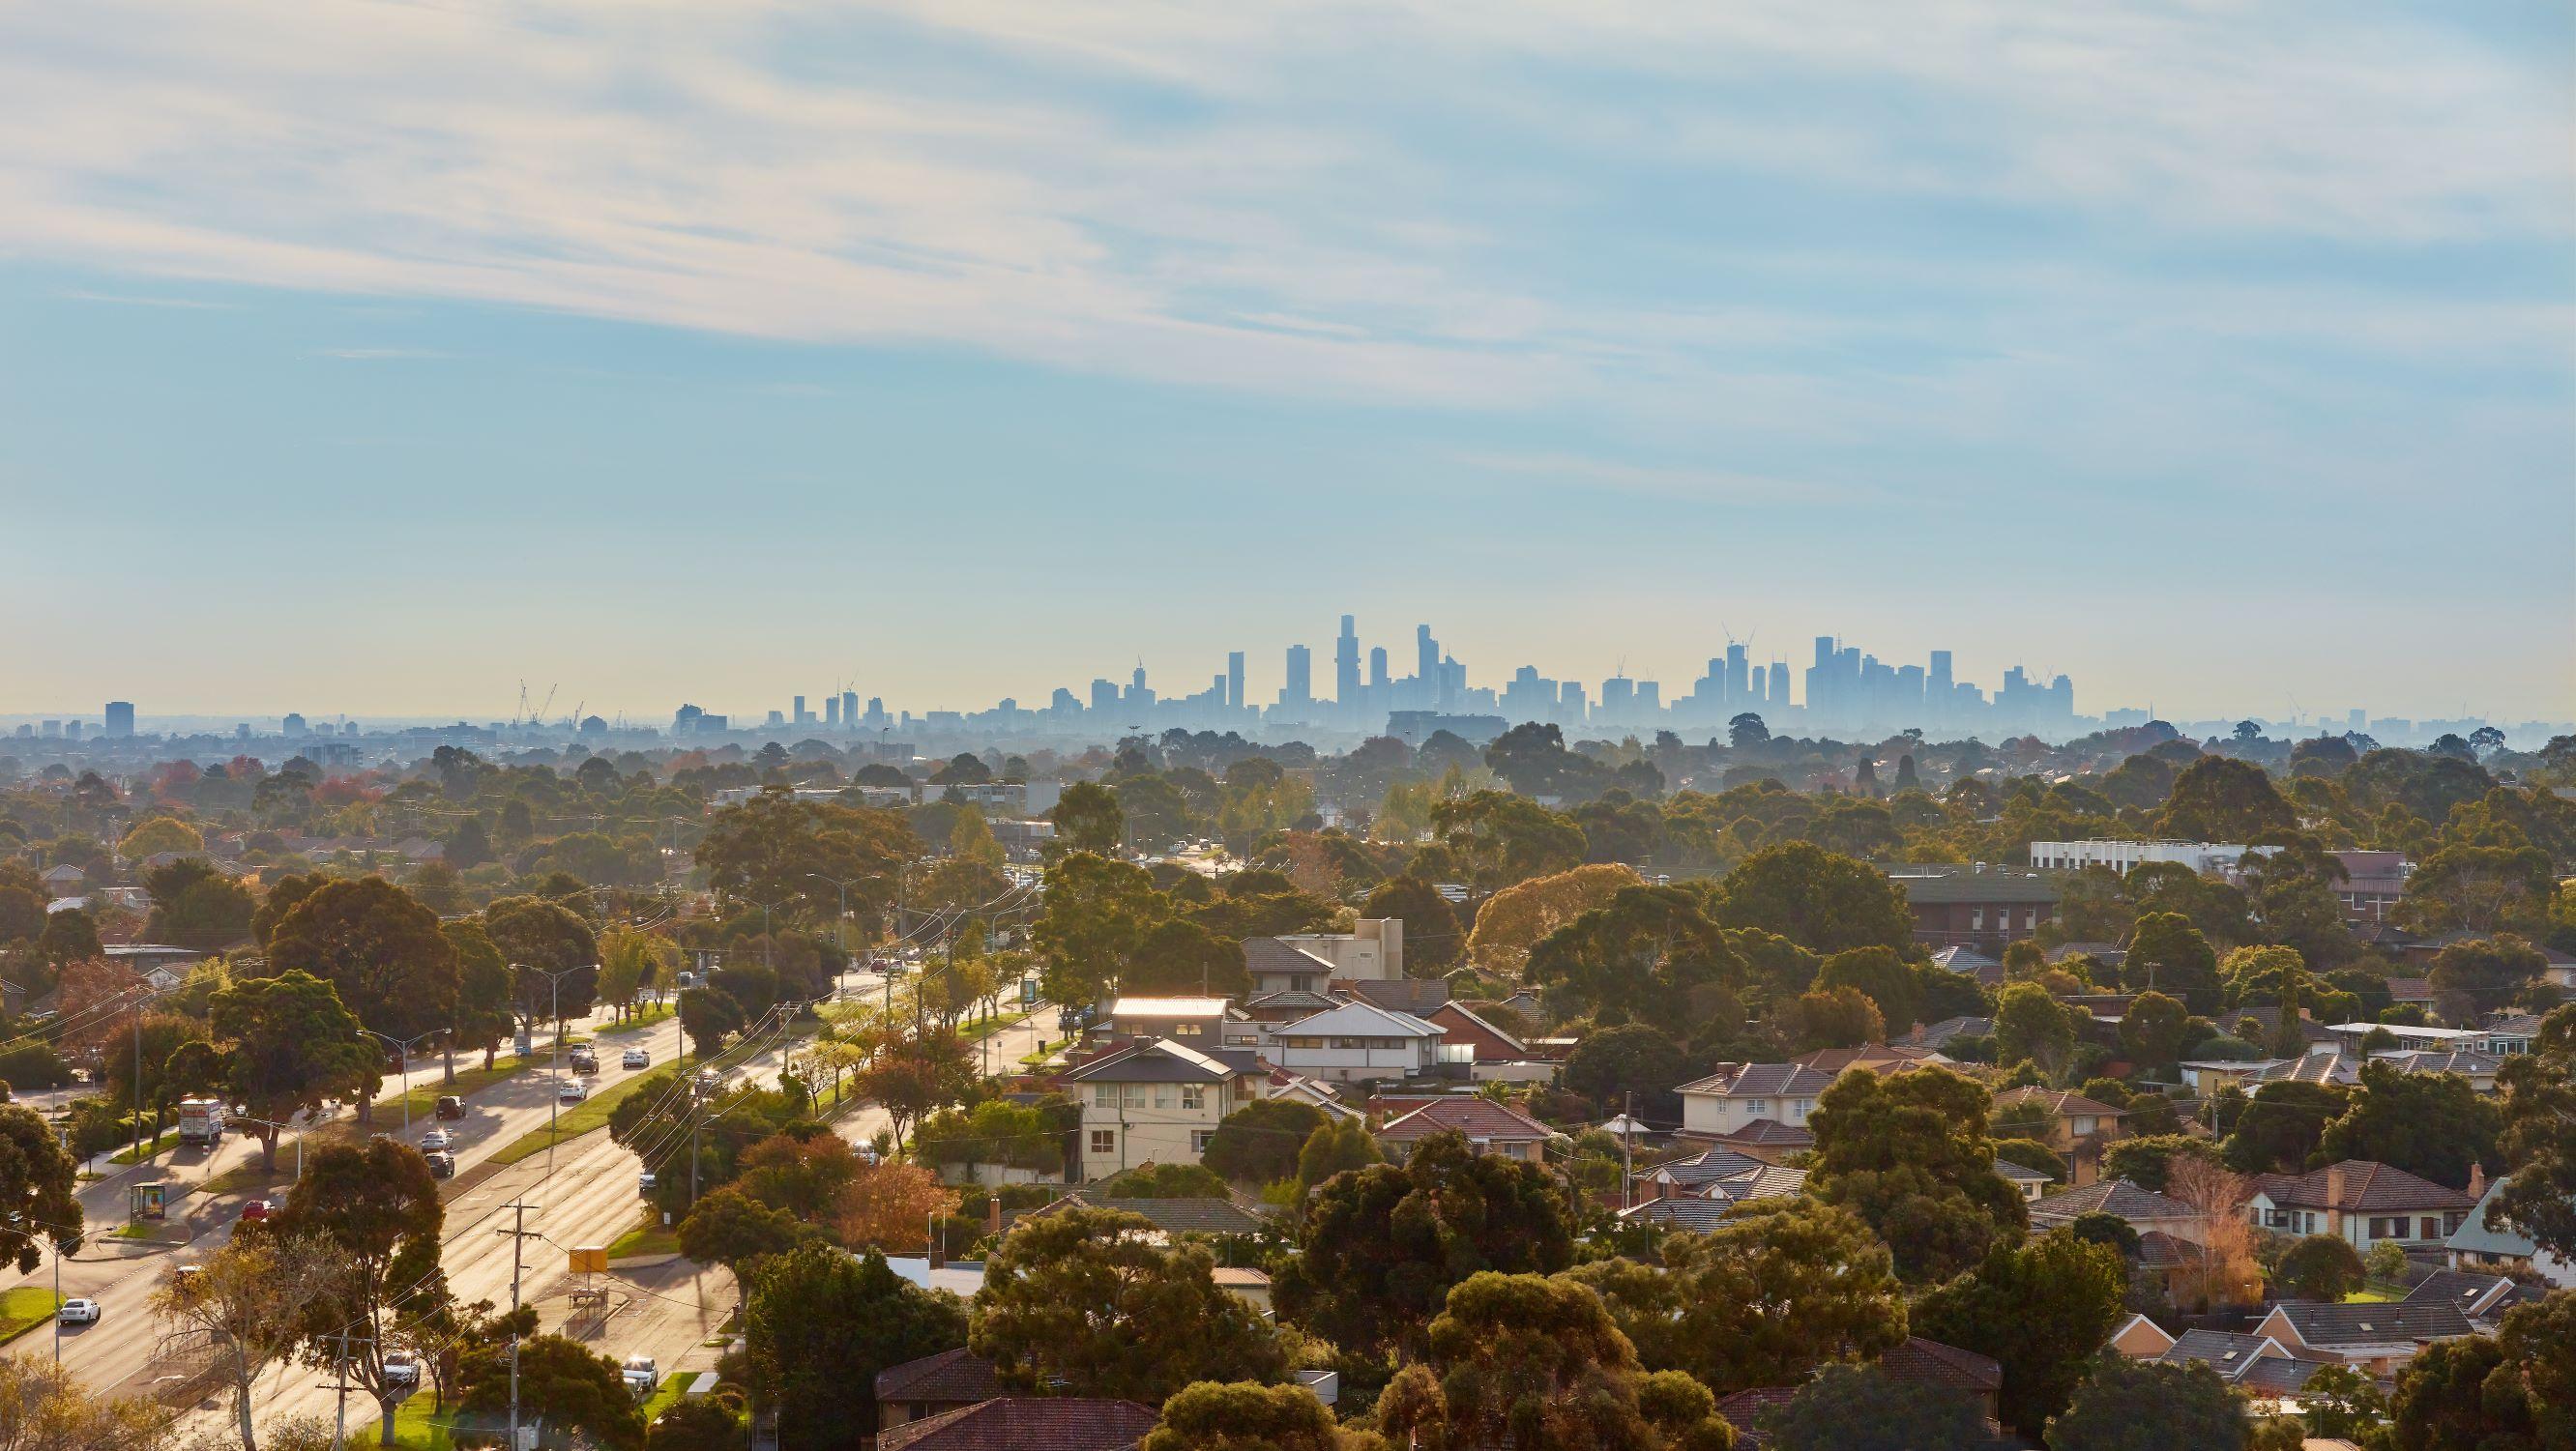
{"points": [[120, 720]]}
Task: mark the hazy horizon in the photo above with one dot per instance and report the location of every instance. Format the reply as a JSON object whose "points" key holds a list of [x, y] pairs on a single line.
{"points": [[373, 359]]}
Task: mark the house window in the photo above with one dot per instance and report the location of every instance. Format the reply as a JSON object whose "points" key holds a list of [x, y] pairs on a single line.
{"points": [[1162, 1095], [1976, 919], [1104, 1141], [1199, 1140], [1189, 1030], [2430, 1229], [1350, 1042], [1193, 1096], [1305, 1042], [1757, 1105], [1301, 983], [1104, 1095], [1801, 1108], [1135, 1095]]}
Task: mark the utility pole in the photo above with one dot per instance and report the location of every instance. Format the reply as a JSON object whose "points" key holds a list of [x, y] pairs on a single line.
{"points": [[340, 1428], [519, 1236]]}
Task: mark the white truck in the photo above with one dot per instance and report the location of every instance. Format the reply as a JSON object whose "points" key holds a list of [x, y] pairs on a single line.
{"points": [[201, 1121]]}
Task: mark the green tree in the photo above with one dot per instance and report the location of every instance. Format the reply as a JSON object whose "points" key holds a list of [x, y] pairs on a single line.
{"points": [[1340, 1145], [2319, 1267], [700, 1424], [1644, 952], [289, 1045], [775, 848], [1096, 919], [818, 1325], [2147, 1405], [2148, 1160], [2342, 1403], [1260, 1142], [1634, 1063], [1182, 957], [2432, 1125], [731, 1228], [1863, 1408], [2482, 889], [2491, 971], [2154, 1029], [1081, 1303], [1780, 1287], [376, 1206], [1088, 818], [69, 936], [1910, 1155], [482, 1016], [2511, 1391], [2031, 1026], [709, 1015], [2280, 1126], [381, 950], [1244, 1416], [1433, 939], [2039, 1308], [2538, 1138], [1818, 899], [2218, 798], [1534, 1360], [1501, 839], [554, 955], [1164, 1181], [563, 1383], [194, 905], [1884, 977], [1384, 1244], [2167, 954], [37, 1179]]}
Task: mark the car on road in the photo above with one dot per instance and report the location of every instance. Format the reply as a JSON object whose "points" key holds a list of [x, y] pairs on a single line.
{"points": [[402, 1368], [450, 1106], [436, 1139], [646, 1182], [642, 1375], [635, 1058], [584, 1061], [257, 1211], [572, 1091], [78, 1312], [441, 1165]]}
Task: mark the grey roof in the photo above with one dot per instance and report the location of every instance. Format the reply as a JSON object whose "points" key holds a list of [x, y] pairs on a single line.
{"points": [[1762, 1080], [2109, 1196], [2478, 1235], [1360, 1020], [2476, 1295], [1706, 1168], [1157, 1060], [1771, 1131], [1270, 955], [960, 1376], [1771, 1181], [1415, 995], [1172, 1216], [1938, 1035], [1962, 959], [1303, 1002], [2021, 1173], [1972, 886], [1680, 1212], [2373, 1324]]}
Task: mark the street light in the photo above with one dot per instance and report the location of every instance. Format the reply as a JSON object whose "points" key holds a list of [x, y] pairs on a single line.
{"points": [[281, 1128], [554, 1061], [402, 1055]]}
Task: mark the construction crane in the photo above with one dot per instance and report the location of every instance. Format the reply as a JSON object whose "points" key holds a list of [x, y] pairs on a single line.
{"points": [[549, 705]]}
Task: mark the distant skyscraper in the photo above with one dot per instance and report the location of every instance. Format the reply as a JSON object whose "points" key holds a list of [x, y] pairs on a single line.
{"points": [[850, 709], [831, 712], [1346, 664], [1301, 677], [1426, 655], [1378, 679], [1779, 684], [292, 728], [1937, 681], [120, 720], [1738, 673], [1234, 680], [801, 716]]}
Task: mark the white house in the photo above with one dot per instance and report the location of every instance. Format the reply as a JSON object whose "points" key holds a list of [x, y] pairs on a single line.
{"points": [[1740, 1093], [1158, 1102], [1357, 1042], [2360, 1202], [2483, 1243], [1372, 951]]}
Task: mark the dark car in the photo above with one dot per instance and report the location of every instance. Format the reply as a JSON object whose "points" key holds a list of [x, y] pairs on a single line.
{"points": [[584, 1061], [450, 1106], [441, 1165]]}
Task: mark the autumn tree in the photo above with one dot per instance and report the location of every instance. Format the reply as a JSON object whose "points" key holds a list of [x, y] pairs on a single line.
{"points": [[248, 1300], [890, 1205], [1512, 922]]}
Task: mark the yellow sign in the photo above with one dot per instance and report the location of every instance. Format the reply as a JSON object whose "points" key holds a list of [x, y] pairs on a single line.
{"points": [[593, 1261]]}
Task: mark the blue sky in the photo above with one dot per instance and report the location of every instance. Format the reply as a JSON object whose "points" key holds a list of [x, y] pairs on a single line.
{"points": [[371, 357]]}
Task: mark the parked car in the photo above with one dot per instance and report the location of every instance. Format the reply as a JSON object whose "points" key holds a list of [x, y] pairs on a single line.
{"points": [[642, 1375], [441, 1165], [436, 1139], [646, 1182], [78, 1312], [572, 1091], [402, 1368], [584, 1061], [450, 1106], [257, 1211], [635, 1058]]}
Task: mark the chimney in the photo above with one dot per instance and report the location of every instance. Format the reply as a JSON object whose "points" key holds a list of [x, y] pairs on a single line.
{"points": [[2477, 1180], [993, 1215], [2334, 1186]]}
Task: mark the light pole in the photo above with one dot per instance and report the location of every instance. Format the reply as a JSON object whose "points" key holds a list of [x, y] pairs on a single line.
{"points": [[840, 919], [281, 1128], [554, 1061], [402, 1056]]}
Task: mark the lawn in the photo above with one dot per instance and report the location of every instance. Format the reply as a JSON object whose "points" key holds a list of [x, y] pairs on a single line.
{"points": [[127, 1155], [650, 1236], [591, 1113], [644, 1018], [413, 1428], [23, 1309]]}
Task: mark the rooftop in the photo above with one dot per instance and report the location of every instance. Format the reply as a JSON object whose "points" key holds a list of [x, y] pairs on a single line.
{"points": [[2109, 1196], [1481, 1120], [1027, 1423], [2359, 1185]]}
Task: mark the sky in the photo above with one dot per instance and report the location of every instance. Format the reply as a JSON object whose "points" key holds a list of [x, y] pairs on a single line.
{"points": [[373, 357]]}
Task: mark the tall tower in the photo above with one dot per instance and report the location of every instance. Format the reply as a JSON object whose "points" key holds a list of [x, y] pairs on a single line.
{"points": [[1378, 677], [1234, 680], [1301, 677], [1738, 672], [1346, 666], [1426, 655]]}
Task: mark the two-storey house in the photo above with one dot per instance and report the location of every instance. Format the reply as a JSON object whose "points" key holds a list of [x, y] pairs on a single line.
{"points": [[1357, 1043], [1158, 1102]]}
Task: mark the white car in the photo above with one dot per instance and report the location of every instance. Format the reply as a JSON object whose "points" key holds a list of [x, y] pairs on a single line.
{"points": [[573, 1091], [402, 1368], [78, 1312], [435, 1140], [635, 1058], [641, 1375]]}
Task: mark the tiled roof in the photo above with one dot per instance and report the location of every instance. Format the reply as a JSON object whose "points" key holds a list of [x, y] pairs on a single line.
{"points": [[1771, 1181], [1153, 1060], [1288, 1002], [2257, 1360], [1270, 955], [1744, 1408], [1415, 995], [1771, 1133], [1027, 1423], [1482, 1120], [2021, 1173], [1938, 1035], [1172, 1216], [960, 1376], [2373, 1324], [2108, 1196], [2477, 1295], [1878, 1057], [2366, 1186], [1360, 1020], [1706, 1167], [1762, 1080], [2058, 1101], [1687, 1211], [1929, 1362], [2410, 989]]}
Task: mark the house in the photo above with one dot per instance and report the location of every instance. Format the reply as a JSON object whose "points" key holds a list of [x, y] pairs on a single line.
{"points": [[2143, 1209], [2029, 1181], [2482, 1298], [1937, 1036], [933, 1386], [2380, 1337], [1415, 995], [2344, 1069], [1737, 1094], [2411, 992], [2485, 1243], [2373, 882], [1276, 966], [63, 881], [1459, 1023], [1372, 951], [1298, 1087], [1168, 1216], [1709, 1204], [1693, 1174], [2510, 1034], [1489, 1127], [1980, 907], [1250, 1286], [1196, 1022], [1356, 1043], [1158, 1102], [1028, 1423], [1269, 1010], [2077, 1127], [2207, 1076], [2257, 1364], [2360, 1202]]}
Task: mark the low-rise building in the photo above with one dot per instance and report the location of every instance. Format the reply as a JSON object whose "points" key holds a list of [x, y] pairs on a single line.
{"points": [[2145, 1210], [2077, 1128], [1981, 907], [1489, 1127], [1357, 1043], [1193, 1022], [1738, 1094], [2362, 1203], [2484, 1242], [1158, 1102]]}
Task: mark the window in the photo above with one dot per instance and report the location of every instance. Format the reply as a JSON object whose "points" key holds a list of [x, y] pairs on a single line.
{"points": [[1193, 1096], [1162, 1095], [2430, 1229], [1104, 1141], [1802, 1108], [1104, 1095], [1305, 1042], [1757, 1105], [1189, 1030], [1350, 1042], [1135, 1095], [1976, 919], [1199, 1140]]}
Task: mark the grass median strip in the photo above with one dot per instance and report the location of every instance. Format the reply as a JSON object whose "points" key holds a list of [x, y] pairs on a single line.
{"points": [[644, 1018], [650, 1236], [23, 1309], [591, 1113]]}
